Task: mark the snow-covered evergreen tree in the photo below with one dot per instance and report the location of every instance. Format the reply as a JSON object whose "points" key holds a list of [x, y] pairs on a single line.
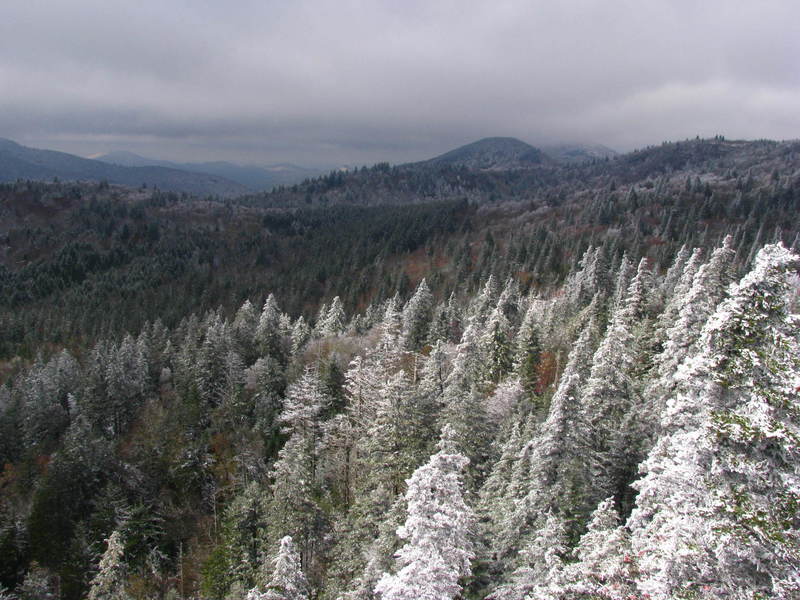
{"points": [[417, 316], [557, 468], [675, 300], [304, 403], [438, 551], [301, 334], [605, 566], [287, 581], [716, 514], [496, 346], [268, 335], [611, 389], [708, 288], [109, 582], [540, 561], [528, 351], [391, 333], [334, 321], [244, 329]]}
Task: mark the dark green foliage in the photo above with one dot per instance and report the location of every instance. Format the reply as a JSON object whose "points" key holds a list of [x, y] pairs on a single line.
{"points": [[529, 355]]}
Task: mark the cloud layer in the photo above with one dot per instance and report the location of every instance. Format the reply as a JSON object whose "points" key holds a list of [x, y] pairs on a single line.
{"points": [[357, 82]]}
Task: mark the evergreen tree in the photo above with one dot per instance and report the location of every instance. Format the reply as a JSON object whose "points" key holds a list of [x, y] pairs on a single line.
{"points": [[556, 469], [709, 287], [496, 346], [109, 583], [287, 581], [304, 404], [716, 511], [391, 332], [433, 376], [391, 436], [675, 301], [464, 410], [301, 334], [528, 352], [293, 507], [36, 585], [611, 390], [244, 525], [334, 321], [417, 316], [606, 567], [624, 274], [539, 562], [438, 549], [269, 335], [245, 325]]}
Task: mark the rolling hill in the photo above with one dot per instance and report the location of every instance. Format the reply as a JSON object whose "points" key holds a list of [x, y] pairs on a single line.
{"points": [[493, 153], [253, 176], [21, 162]]}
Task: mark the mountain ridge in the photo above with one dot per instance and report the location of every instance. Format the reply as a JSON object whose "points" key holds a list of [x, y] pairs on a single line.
{"points": [[253, 176], [491, 153], [22, 162]]}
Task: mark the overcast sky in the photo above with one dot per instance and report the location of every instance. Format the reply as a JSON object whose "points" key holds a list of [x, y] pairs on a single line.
{"points": [[349, 82]]}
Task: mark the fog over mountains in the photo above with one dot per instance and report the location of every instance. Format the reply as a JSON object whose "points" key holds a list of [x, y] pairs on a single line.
{"points": [[20, 162], [254, 177], [226, 179]]}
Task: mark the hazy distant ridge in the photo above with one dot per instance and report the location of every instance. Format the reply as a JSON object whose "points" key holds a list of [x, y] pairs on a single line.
{"points": [[21, 162], [252, 176]]}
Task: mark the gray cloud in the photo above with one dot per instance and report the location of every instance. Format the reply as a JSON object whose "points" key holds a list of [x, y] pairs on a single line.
{"points": [[357, 81]]}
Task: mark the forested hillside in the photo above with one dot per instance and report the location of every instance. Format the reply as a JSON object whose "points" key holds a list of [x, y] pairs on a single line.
{"points": [[424, 381]]}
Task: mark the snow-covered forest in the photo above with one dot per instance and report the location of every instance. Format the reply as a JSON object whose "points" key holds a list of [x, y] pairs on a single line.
{"points": [[447, 458], [626, 429]]}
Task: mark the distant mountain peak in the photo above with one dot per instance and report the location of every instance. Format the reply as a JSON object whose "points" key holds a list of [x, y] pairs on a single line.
{"points": [[493, 153]]}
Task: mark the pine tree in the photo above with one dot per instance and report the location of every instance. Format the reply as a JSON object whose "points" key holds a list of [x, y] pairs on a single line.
{"points": [[539, 562], [211, 363], [556, 469], [709, 287], [606, 567], [244, 524], [244, 328], [496, 346], [288, 582], [583, 284], [464, 409], [109, 583], [35, 586], [674, 274], [391, 332], [528, 352], [417, 316], [433, 376], [304, 404], [391, 436], [716, 511], [611, 390], [293, 507], [438, 549], [301, 334], [334, 321], [675, 301], [494, 495], [269, 333], [482, 305], [622, 281]]}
